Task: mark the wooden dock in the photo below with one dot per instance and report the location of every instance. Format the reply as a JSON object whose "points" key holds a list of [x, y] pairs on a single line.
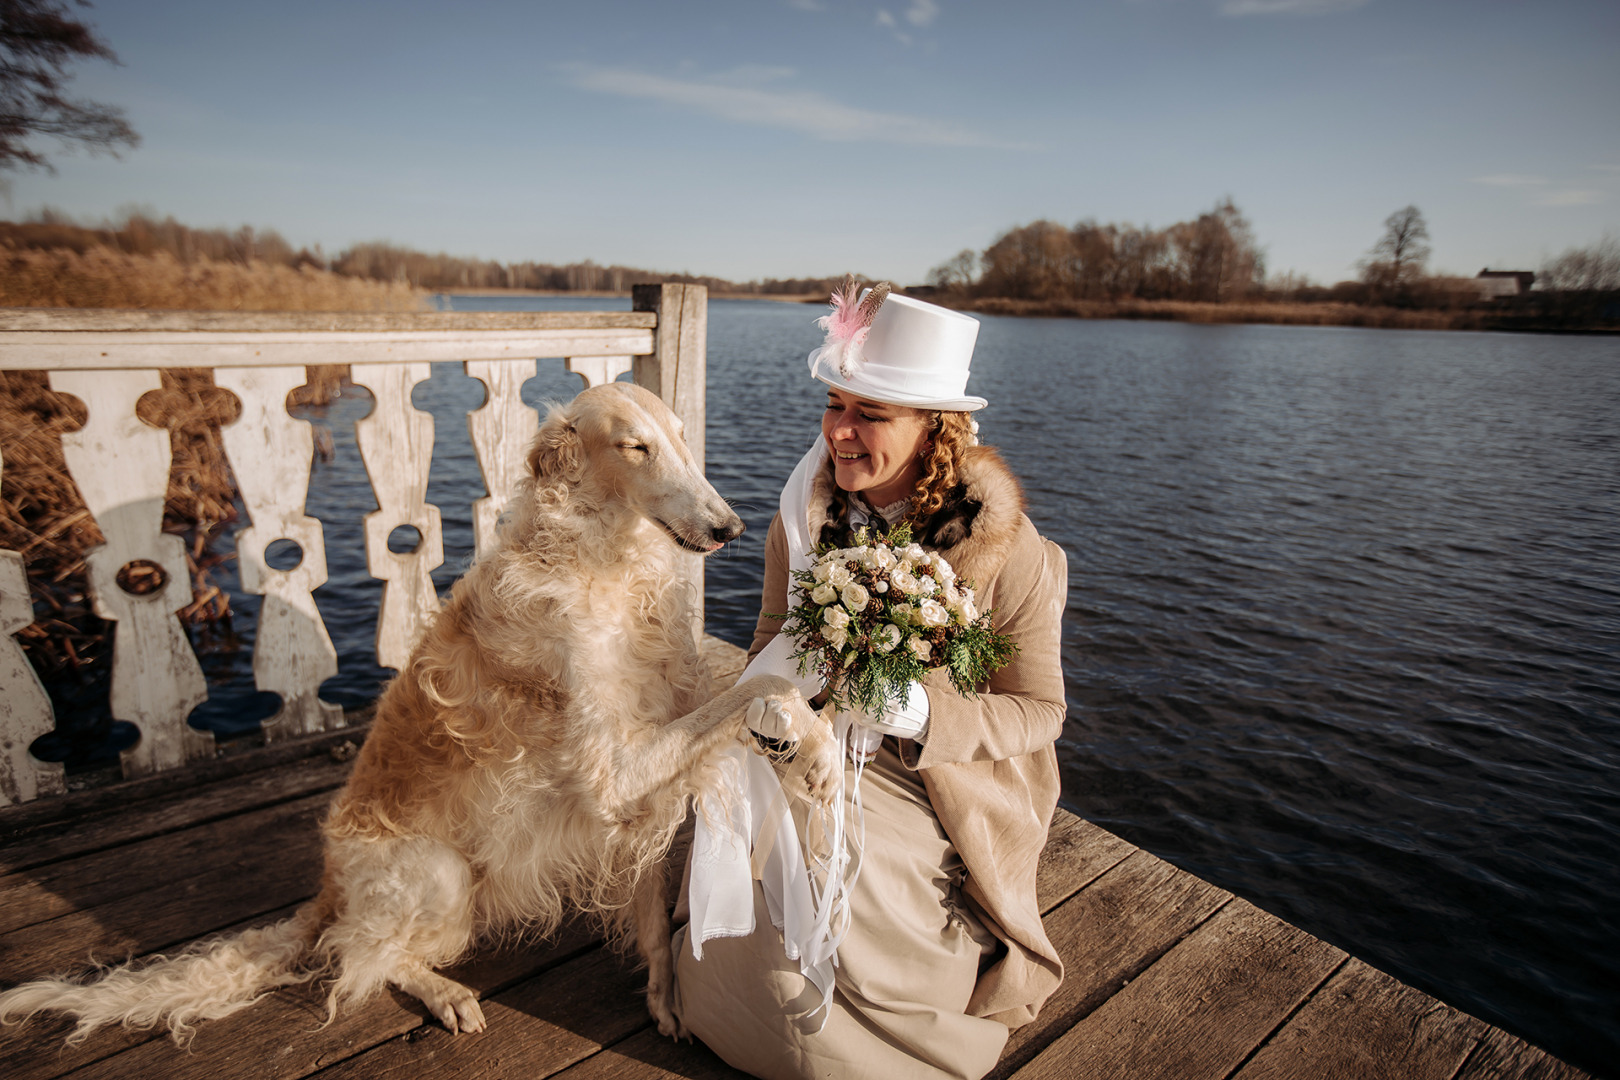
{"points": [[1168, 976]]}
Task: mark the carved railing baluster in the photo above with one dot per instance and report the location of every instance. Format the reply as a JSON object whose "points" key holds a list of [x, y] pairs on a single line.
{"points": [[596, 370], [396, 444], [25, 709], [501, 434], [270, 454], [121, 467]]}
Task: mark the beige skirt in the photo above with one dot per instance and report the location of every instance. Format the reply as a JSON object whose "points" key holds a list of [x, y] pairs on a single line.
{"points": [[905, 970]]}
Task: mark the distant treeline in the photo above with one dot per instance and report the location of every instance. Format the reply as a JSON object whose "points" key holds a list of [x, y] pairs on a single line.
{"points": [[1181, 271], [1213, 259], [379, 261]]}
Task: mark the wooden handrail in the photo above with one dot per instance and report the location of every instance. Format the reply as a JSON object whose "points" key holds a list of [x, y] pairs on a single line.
{"points": [[109, 359]]}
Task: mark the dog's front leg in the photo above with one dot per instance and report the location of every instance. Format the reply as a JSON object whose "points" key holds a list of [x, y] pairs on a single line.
{"points": [[663, 759], [652, 942]]}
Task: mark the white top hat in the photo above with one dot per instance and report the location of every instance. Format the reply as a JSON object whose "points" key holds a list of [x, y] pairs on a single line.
{"points": [[911, 353]]}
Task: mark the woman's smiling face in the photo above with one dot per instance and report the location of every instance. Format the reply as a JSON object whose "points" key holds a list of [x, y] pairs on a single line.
{"points": [[875, 447]]}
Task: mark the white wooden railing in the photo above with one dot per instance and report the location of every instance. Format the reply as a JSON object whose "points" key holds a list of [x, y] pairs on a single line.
{"points": [[108, 359]]}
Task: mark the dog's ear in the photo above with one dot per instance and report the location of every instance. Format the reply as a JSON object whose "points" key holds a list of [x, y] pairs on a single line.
{"points": [[558, 453]]}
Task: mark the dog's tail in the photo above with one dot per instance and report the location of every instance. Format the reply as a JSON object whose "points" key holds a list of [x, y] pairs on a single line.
{"points": [[208, 980]]}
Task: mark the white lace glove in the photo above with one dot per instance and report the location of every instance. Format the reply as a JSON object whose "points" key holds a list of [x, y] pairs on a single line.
{"points": [[908, 720], [770, 719]]}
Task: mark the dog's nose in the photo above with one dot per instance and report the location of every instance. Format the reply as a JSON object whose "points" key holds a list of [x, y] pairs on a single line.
{"points": [[728, 532]]}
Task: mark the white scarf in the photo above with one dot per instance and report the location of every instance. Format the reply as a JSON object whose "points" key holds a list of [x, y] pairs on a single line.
{"points": [[812, 914]]}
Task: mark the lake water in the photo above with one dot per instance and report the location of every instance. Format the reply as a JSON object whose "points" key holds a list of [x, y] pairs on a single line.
{"points": [[1343, 630]]}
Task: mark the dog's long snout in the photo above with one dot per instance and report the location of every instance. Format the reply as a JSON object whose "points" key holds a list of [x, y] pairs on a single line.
{"points": [[729, 531]]}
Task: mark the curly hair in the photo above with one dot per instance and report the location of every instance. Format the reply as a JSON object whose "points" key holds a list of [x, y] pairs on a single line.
{"points": [[951, 434]]}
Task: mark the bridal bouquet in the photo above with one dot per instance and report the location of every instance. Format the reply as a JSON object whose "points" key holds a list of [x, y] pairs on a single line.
{"points": [[872, 618]]}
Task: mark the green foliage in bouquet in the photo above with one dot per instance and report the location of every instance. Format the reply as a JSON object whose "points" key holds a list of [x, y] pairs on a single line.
{"points": [[874, 617]]}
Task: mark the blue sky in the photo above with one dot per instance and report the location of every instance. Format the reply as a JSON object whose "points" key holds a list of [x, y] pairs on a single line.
{"points": [[754, 138]]}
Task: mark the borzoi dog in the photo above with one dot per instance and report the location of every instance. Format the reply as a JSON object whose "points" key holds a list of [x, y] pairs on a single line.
{"points": [[536, 755]]}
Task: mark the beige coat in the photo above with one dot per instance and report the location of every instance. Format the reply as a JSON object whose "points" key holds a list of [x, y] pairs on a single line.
{"points": [[989, 764]]}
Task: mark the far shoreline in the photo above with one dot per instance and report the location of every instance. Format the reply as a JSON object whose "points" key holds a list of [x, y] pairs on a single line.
{"points": [[1250, 313]]}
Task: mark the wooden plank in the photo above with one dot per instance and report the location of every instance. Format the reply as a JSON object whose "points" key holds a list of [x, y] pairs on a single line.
{"points": [[1500, 1056], [1200, 1010], [114, 350], [726, 661], [57, 840], [239, 883], [282, 1037], [536, 1028], [49, 892], [647, 1055], [1108, 934], [122, 319], [238, 758], [1365, 1024], [1076, 854], [38, 1049], [675, 369]]}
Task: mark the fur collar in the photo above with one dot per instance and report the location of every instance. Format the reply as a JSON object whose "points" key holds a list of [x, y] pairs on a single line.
{"points": [[974, 530]]}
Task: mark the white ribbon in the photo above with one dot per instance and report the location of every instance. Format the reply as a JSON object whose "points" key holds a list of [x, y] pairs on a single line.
{"points": [[811, 909]]}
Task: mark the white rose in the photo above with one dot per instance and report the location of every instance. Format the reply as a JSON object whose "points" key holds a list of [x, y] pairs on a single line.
{"points": [[951, 597], [928, 586], [885, 558], [943, 571], [824, 594], [902, 614], [837, 637], [920, 648], [933, 613], [913, 553], [903, 581], [855, 597], [840, 576], [969, 612], [837, 618], [888, 637], [821, 570]]}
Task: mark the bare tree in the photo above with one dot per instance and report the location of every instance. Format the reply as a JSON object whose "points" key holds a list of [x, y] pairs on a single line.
{"points": [[39, 40], [1590, 269], [957, 272], [1396, 262]]}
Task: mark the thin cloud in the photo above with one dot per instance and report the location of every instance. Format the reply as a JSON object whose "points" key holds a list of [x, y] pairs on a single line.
{"points": [[807, 5], [1571, 197], [1510, 180], [1240, 8], [922, 12], [808, 112]]}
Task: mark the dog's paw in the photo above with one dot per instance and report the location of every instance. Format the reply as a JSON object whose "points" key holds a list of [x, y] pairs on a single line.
{"points": [[455, 1006], [662, 1008], [780, 717]]}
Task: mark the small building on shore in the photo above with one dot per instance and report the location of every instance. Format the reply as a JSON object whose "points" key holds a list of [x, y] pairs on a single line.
{"points": [[1499, 284]]}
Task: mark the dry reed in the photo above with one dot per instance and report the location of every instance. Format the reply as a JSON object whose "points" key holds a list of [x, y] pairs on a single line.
{"points": [[1297, 314], [104, 278]]}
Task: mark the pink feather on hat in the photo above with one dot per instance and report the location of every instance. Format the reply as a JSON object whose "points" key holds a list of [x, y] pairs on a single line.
{"points": [[850, 320]]}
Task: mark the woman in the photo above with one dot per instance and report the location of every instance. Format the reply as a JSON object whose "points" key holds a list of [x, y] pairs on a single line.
{"points": [[945, 952]]}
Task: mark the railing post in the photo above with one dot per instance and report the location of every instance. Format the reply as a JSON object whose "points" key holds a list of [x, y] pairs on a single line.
{"points": [[676, 371]]}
